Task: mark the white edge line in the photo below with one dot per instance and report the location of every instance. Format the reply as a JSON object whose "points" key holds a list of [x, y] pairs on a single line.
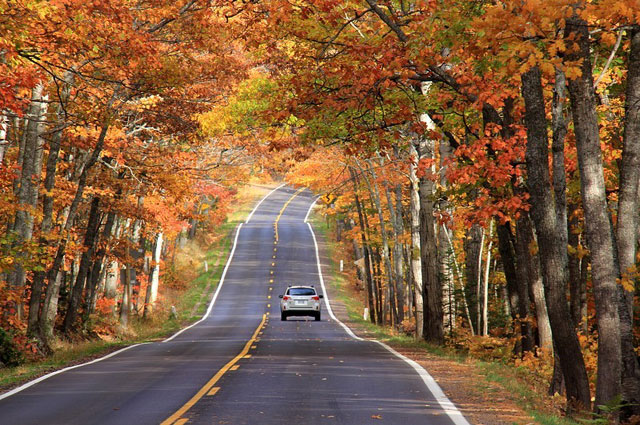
{"points": [[258, 204], [213, 300], [324, 290], [447, 405], [57, 372], [215, 296], [306, 217], [49, 375]]}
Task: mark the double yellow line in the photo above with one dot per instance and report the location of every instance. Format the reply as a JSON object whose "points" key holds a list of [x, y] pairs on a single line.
{"points": [[208, 388], [275, 225]]}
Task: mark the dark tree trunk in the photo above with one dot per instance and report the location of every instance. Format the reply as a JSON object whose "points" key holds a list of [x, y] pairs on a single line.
{"points": [[553, 254], [520, 283], [432, 287], [524, 240], [472, 249], [98, 263], [512, 277], [598, 225], [89, 244], [27, 189], [366, 250], [52, 290], [575, 283], [627, 231], [399, 255]]}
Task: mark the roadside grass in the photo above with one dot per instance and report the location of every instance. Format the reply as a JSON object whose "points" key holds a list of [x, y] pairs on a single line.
{"points": [[189, 271], [511, 379]]}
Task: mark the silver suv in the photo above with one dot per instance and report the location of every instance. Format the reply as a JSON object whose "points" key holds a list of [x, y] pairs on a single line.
{"points": [[300, 301]]}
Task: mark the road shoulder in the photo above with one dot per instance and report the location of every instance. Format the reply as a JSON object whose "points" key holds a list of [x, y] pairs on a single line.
{"points": [[479, 400]]}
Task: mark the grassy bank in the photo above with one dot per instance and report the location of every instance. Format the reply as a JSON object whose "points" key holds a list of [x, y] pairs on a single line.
{"points": [[507, 381], [190, 294]]}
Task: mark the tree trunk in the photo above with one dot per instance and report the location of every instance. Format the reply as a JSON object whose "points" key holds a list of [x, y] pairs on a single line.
{"points": [[375, 195], [366, 252], [432, 287], [485, 292], [386, 257], [4, 143], [399, 254], [397, 278], [525, 239], [28, 185], [517, 255], [111, 280], [553, 255], [575, 283], [460, 279], [89, 244], [472, 248], [479, 296], [416, 263], [70, 216], [598, 225], [99, 263], [152, 289], [47, 203], [627, 226]]}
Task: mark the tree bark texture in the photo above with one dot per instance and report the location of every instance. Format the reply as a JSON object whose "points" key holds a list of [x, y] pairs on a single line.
{"points": [[627, 225], [28, 184], [432, 288], [553, 254], [416, 263], [47, 204], [152, 289], [599, 228], [90, 237], [52, 290], [525, 239]]}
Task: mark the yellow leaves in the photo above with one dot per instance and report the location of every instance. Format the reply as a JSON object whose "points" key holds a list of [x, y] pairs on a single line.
{"points": [[628, 278], [578, 251], [573, 71], [547, 68], [627, 283], [146, 103]]}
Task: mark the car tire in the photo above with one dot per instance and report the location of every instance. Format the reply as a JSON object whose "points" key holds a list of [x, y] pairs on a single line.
{"points": [[317, 316], [283, 316]]}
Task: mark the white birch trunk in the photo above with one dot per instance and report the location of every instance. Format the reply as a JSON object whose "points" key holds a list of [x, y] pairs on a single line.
{"points": [[416, 262], [479, 287], [4, 144], [485, 302], [152, 289]]}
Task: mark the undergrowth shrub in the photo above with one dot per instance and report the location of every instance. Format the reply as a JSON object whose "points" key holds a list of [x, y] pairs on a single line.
{"points": [[10, 355]]}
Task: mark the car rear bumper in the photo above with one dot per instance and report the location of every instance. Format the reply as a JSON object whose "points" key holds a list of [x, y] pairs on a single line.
{"points": [[306, 312]]}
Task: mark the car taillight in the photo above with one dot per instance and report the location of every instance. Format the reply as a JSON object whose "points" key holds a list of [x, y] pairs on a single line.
{"points": [[316, 298], [286, 298]]}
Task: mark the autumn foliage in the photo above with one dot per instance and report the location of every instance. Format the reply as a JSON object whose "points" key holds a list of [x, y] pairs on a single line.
{"points": [[480, 160]]}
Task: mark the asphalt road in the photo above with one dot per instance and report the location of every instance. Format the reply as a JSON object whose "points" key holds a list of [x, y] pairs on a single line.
{"points": [[242, 364]]}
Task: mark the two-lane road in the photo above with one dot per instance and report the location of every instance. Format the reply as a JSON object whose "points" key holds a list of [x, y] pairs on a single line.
{"points": [[240, 364]]}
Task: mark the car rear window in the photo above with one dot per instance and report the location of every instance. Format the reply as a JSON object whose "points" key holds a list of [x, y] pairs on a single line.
{"points": [[302, 291]]}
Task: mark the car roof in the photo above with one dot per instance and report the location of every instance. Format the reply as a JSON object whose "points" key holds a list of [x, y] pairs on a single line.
{"points": [[301, 286]]}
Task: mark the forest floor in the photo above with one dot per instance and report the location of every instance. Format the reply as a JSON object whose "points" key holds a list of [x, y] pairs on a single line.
{"points": [[486, 392], [188, 289]]}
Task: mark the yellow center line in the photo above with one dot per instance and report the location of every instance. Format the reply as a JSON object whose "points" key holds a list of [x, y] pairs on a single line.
{"points": [[176, 419], [283, 208]]}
